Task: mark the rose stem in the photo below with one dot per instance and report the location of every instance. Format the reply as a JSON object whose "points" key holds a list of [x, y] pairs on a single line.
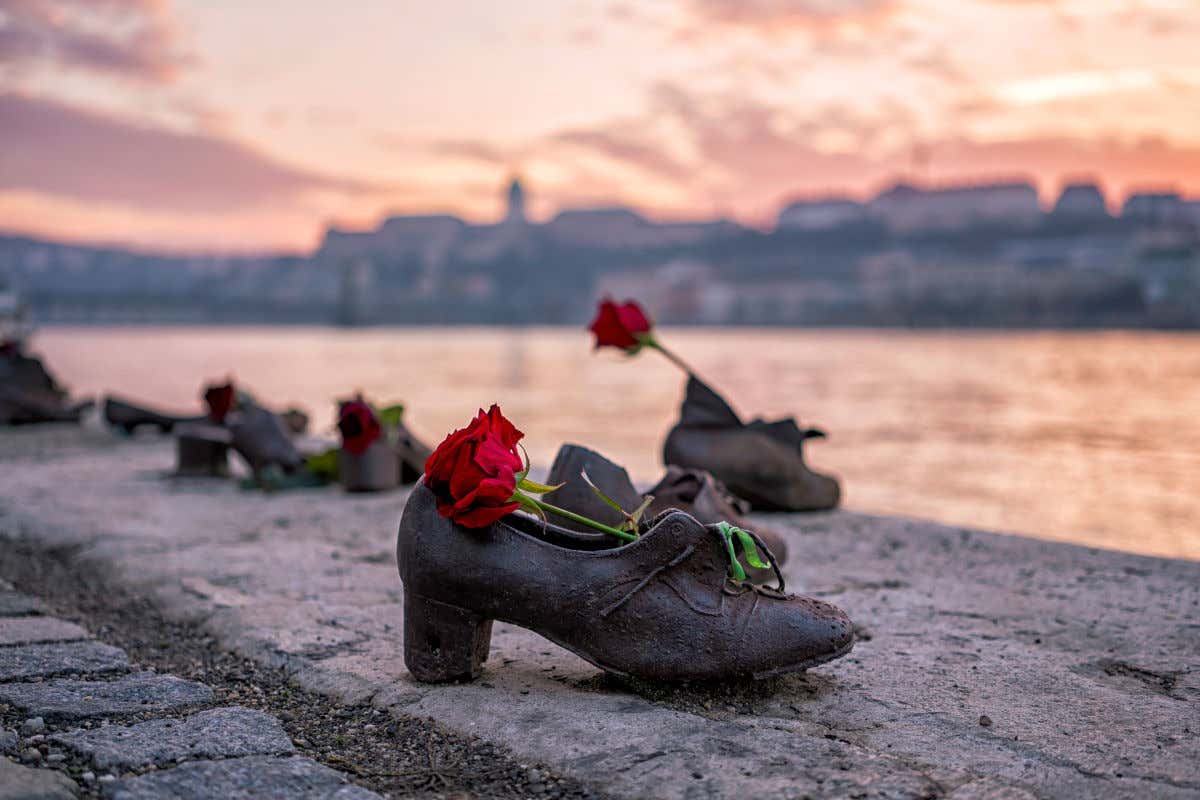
{"points": [[591, 523], [674, 359]]}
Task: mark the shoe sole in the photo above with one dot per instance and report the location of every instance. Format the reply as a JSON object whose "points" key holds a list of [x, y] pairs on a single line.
{"points": [[757, 676]]}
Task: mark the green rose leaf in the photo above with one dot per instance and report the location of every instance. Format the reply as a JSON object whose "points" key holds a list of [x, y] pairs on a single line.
{"points": [[324, 464], [391, 416], [749, 549], [536, 488]]}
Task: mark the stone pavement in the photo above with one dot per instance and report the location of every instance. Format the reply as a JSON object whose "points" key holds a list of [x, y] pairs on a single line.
{"points": [[92, 723], [988, 666]]}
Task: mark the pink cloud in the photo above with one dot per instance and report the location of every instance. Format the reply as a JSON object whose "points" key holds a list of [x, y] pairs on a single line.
{"points": [[61, 150], [131, 39], [769, 16]]}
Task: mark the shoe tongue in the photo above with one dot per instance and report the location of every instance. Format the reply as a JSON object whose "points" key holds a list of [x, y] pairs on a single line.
{"points": [[702, 406], [786, 431], [575, 495]]}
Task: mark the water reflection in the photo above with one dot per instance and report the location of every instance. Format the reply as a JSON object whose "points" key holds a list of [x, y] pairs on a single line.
{"points": [[1087, 437]]}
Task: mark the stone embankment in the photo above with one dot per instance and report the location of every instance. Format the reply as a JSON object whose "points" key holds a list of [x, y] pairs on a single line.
{"points": [[131, 733], [988, 666]]}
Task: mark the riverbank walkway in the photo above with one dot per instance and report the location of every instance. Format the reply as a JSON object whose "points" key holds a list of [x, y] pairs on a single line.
{"points": [[988, 666]]}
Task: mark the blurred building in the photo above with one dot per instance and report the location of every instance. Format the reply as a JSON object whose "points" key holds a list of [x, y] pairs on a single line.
{"points": [[905, 208], [820, 214], [1081, 202], [1155, 208], [958, 255], [619, 228]]}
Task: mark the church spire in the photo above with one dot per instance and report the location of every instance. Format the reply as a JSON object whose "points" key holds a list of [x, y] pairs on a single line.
{"points": [[516, 203]]}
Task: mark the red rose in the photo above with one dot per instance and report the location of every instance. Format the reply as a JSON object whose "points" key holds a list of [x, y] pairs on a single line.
{"points": [[473, 472], [219, 399], [358, 425], [624, 326]]}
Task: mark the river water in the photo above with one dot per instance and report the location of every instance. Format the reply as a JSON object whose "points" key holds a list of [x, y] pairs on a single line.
{"points": [[1089, 437]]}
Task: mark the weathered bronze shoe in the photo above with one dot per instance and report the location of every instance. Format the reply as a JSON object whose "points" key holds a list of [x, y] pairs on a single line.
{"points": [[704, 497], [761, 462], [262, 439], [412, 454], [662, 607], [692, 491], [29, 393], [376, 469], [202, 450], [129, 416]]}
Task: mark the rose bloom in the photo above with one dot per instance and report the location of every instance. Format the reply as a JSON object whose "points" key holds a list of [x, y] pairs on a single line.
{"points": [[220, 399], [358, 425], [473, 473], [620, 325]]}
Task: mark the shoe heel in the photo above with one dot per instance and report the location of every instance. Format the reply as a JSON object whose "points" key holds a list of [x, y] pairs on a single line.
{"points": [[443, 642]]}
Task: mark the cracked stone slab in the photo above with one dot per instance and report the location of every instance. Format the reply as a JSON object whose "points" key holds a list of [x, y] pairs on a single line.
{"points": [[65, 700], [219, 733], [249, 778], [26, 783], [15, 604], [60, 658], [30, 630]]}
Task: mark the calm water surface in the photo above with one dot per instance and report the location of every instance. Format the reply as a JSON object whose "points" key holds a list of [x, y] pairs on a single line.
{"points": [[1084, 437]]}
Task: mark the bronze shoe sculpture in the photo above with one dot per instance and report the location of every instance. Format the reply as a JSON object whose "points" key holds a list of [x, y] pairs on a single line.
{"points": [[127, 416], [263, 440], [375, 469], [761, 462], [29, 394], [662, 607], [202, 450], [692, 491], [411, 453]]}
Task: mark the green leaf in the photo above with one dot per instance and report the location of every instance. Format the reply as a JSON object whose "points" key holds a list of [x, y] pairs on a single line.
{"points": [[634, 518], [391, 416], [749, 549], [607, 500], [536, 488], [727, 530], [324, 464], [531, 504], [520, 476]]}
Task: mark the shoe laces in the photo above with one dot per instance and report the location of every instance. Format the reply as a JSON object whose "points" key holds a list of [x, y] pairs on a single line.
{"points": [[751, 543]]}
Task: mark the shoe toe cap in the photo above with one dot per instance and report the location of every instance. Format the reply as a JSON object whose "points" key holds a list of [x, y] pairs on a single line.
{"points": [[810, 632]]}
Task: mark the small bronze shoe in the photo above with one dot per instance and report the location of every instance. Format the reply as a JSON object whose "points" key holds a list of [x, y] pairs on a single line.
{"points": [[129, 416], [660, 608], [692, 491], [761, 462], [411, 454], [263, 440], [704, 497]]}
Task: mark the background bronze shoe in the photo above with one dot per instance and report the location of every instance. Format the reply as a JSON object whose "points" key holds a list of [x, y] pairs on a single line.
{"points": [[660, 608], [129, 416], [761, 462], [202, 450], [412, 454], [30, 394], [376, 469], [704, 497], [262, 439], [692, 491]]}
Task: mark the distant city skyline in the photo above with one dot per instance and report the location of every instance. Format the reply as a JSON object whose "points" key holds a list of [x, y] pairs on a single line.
{"points": [[200, 126]]}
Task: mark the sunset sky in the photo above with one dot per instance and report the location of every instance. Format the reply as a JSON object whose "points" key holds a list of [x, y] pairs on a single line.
{"points": [[251, 125]]}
